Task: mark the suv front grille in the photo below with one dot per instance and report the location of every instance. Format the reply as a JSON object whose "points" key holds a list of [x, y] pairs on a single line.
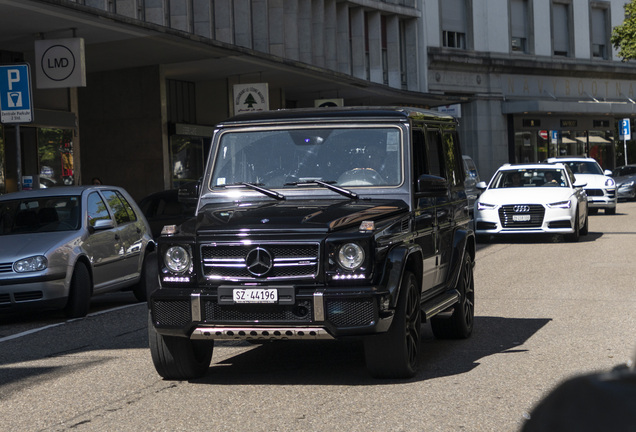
{"points": [[512, 216], [594, 192], [263, 261]]}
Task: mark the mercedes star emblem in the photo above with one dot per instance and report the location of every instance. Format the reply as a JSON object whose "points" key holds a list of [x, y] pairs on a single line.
{"points": [[259, 261]]}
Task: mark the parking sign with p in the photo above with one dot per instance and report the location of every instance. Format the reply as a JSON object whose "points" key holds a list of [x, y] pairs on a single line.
{"points": [[15, 94]]}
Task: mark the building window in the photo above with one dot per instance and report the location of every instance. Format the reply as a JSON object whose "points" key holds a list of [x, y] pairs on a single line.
{"points": [[561, 29], [519, 26], [454, 24], [599, 33]]}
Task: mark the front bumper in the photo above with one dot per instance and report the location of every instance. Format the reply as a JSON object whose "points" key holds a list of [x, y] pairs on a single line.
{"points": [[503, 221], [309, 314], [33, 293], [601, 198], [627, 192]]}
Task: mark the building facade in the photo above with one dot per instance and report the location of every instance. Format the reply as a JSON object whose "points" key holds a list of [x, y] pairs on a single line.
{"points": [[529, 79]]}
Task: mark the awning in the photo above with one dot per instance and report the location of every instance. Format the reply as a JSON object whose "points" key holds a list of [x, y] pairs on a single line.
{"points": [[594, 139]]}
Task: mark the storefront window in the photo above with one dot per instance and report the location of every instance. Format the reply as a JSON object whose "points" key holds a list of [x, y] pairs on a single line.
{"points": [[55, 157], [186, 158]]}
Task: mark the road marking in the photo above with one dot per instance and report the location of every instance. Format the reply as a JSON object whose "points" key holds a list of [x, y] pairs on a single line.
{"points": [[46, 327]]}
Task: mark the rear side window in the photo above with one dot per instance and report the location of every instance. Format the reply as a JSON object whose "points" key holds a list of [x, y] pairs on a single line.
{"points": [[96, 209], [121, 208], [434, 153], [453, 159]]}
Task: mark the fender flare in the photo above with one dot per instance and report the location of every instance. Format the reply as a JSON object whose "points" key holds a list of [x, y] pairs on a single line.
{"points": [[463, 243], [394, 268]]}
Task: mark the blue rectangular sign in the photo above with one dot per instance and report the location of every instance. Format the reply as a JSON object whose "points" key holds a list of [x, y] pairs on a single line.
{"points": [[15, 94], [625, 130]]}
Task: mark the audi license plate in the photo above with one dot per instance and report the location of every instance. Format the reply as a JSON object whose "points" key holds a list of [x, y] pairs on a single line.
{"points": [[521, 218], [255, 295]]}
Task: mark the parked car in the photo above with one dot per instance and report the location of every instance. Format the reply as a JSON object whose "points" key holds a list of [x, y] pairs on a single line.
{"points": [[601, 187], [625, 178], [59, 246], [329, 223], [470, 183], [165, 208], [532, 198]]}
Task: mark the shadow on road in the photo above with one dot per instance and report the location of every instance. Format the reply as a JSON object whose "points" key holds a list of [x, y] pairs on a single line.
{"points": [[342, 363]]}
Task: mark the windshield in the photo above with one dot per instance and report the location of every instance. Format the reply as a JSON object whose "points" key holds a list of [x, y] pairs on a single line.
{"points": [[344, 156], [584, 167], [543, 177], [42, 214]]}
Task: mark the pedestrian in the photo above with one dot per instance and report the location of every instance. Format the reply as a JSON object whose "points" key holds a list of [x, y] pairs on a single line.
{"points": [[96, 181]]}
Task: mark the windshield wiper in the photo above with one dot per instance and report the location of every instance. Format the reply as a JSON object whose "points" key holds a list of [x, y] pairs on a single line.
{"points": [[257, 187], [328, 185]]}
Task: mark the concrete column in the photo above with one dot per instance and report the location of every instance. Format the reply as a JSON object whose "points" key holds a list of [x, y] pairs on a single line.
{"points": [[223, 21], [411, 49], [330, 29], [180, 15], [260, 33], [318, 30], [202, 18], [343, 47], [290, 25], [358, 60], [276, 28], [393, 51], [122, 7], [374, 30], [242, 23], [305, 35]]}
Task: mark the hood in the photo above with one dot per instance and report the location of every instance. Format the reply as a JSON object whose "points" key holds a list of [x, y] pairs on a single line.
{"points": [[16, 246], [528, 195], [594, 181], [295, 215]]}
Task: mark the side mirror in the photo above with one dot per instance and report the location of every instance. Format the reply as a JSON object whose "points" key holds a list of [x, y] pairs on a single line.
{"points": [[103, 224], [579, 184], [608, 173], [189, 193], [482, 185], [432, 186]]}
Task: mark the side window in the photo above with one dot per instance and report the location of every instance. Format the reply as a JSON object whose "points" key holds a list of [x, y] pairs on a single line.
{"points": [[121, 208], [96, 209], [434, 160], [419, 151], [453, 159]]}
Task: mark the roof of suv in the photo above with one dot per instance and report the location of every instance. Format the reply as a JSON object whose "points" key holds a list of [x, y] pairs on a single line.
{"points": [[337, 112]]}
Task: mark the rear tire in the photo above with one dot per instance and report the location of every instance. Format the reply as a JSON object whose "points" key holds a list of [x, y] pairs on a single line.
{"points": [[394, 354], [460, 324], [178, 358], [79, 296]]}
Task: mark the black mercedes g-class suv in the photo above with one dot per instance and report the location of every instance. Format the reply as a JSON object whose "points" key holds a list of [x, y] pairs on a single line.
{"points": [[320, 224]]}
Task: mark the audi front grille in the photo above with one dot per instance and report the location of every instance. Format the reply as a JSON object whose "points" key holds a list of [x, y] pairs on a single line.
{"points": [[262, 261], [521, 216]]}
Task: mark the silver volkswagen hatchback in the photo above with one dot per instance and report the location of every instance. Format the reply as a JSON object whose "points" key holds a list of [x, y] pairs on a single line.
{"points": [[60, 246]]}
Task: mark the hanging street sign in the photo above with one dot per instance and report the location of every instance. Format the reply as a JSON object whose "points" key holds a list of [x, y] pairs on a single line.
{"points": [[15, 94]]}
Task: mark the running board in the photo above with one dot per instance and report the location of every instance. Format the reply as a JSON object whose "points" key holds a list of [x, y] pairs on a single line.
{"points": [[248, 333], [440, 304]]}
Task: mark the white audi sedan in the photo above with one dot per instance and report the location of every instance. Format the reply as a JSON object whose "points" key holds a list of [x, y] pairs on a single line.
{"points": [[532, 198]]}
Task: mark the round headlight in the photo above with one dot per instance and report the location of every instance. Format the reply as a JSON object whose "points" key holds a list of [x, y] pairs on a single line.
{"points": [[350, 256], [36, 263], [177, 259]]}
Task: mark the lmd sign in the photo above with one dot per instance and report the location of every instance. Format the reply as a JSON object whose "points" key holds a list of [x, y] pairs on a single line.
{"points": [[60, 63]]}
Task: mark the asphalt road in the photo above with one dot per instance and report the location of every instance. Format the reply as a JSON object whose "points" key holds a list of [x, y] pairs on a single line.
{"points": [[545, 311]]}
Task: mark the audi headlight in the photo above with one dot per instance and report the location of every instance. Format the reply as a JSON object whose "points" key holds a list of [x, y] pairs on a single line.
{"points": [[560, 204], [350, 256], [177, 259], [31, 264], [628, 184], [484, 206], [609, 182]]}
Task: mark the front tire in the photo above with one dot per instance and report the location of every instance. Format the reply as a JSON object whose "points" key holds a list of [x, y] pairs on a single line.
{"points": [[460, 324], [574, 237], [178, 358], [79, 297], [148, 279], [394, 354]]}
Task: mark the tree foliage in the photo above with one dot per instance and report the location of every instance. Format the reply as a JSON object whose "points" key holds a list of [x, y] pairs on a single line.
{"points": [[624, 36]]}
